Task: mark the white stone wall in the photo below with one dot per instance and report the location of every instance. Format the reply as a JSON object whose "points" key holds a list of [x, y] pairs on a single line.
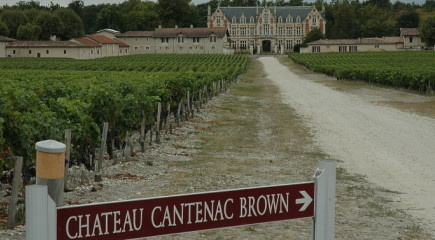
{"points": [[3, 49]]}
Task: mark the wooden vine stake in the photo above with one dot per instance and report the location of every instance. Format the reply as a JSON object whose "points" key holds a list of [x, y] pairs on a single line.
{"points": [[142, 132], [167, 120], [127, 149], [179, 113], [12, 210], [159, 113], [115, 156], [101, 152], [67, 157], [188, 105]]}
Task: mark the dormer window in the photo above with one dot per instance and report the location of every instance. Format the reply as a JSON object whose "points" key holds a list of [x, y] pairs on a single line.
{"points": [[266, 18], [212, 38], [234, 20], [243, 19], [280, 20], [289, 19], [252, 20], [314, 19], [218, 20], [298, 19], [180, 39]]}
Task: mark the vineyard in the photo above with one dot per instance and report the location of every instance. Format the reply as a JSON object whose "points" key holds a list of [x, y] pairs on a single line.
{"points": [[41, 98], [410, 70]]}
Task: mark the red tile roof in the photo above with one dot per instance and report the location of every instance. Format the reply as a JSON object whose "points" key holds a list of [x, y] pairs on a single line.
{"points": [[136, 34], [409, 32], [102, 39], [60, 44], [121, 44], [189, 32], [6, 39], [87, 42]]}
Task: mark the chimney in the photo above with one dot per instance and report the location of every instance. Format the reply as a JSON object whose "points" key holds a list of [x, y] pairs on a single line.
{"points": [[257, 8], [176, 26], [191, 25]]}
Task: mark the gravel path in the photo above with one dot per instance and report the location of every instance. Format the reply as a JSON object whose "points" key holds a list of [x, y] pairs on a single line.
{"points": [[394, 149]]}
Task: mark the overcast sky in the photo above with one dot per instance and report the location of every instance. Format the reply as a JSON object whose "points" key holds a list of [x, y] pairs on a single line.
{"points": [[90, 2]]}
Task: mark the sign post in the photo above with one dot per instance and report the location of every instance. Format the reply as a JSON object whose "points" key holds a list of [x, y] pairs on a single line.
{"points": [[186, 213], [325, 179]]}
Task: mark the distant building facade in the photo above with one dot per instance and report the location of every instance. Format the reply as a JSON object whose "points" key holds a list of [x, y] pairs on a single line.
{"points": [[177, 40], [267, 29], [411, 38]]}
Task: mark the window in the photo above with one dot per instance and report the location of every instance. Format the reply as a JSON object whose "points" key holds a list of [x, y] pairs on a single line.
{"points": [[314, 19], [252, 31], [233, 31], [266, 30], [316, 49], [233, 20], [196, 39], [233, 44], [252, 20], [180, 39], [147, 48], [377, 46], [279, 30], [243, 45], [342, 48], [299, 41], [289, 44], [289, 19], [218, 20], [98, 51], [212, 38], [92, 51], [126, 50], [243, 31], [48, 51], [242, 20], [13, 51], [289, 30], [298, 19], [410, 39], [64, 51], [136, 48], [266, 18], [280, 20], [353, 48], [30, 51], [298, 31], [165, 40]]}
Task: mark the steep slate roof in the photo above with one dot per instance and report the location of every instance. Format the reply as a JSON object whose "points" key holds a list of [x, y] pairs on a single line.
{"points": [[102, 39], [87, 42], [43, 44], [409, 32], [189, 32], [136, 34], [284, 11], [360, 41]]}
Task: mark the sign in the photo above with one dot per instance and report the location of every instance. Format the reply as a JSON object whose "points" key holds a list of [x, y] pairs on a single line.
{"points": [[185, 213]]}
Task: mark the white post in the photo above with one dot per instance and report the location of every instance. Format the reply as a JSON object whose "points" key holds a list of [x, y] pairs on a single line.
{"points": [[324, 218], [40, 214]]}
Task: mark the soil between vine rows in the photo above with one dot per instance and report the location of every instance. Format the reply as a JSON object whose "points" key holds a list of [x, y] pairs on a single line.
{"points": [[243, 138]]}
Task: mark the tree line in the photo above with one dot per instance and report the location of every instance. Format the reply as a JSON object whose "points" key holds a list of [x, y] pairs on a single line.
{"points": [[345, 19]]}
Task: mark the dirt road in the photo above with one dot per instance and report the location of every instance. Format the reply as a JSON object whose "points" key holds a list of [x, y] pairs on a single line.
{"points": [[393, 148]]}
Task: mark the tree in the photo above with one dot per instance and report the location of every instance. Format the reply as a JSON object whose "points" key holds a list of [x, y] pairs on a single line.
{"points": [[313, 35], [408, 19], [89, 17], [109, 17], [4, 30], [429, 5], [29, 32], [50, 23], [142, 17], [172, 12], [427, 31], [73, 25], [77, 6], [13, 19]]}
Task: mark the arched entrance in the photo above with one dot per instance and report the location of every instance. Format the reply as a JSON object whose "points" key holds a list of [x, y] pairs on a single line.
{"points": [[266, 45]]}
